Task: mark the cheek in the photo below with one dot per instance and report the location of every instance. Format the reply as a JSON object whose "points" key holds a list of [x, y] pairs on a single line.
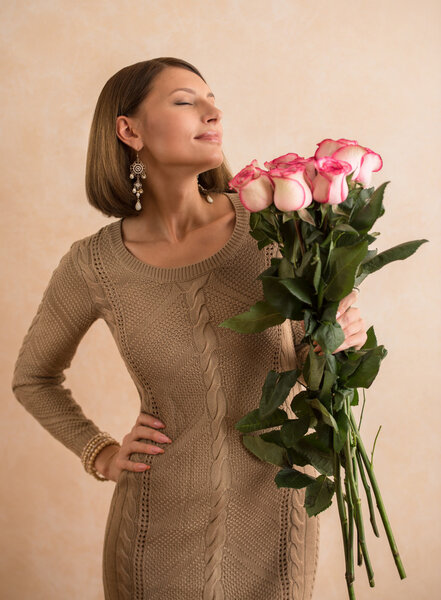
{"points": [[169, 134]]}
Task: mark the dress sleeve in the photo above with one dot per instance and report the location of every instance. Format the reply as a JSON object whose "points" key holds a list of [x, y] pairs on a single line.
{"points": [[65, 313]]}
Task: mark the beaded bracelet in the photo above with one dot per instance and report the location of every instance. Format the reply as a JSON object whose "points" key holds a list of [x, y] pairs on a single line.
{"points": [[91, 451]]}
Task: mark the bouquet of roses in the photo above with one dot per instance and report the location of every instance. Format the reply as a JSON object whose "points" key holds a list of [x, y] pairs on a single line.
{"points": [[320, 212]]}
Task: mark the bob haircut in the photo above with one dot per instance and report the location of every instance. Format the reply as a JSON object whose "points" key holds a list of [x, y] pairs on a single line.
{"points": [[108, 185]]}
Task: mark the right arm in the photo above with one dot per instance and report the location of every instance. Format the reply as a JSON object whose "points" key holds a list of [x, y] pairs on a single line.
{"points": [[64, 315]]}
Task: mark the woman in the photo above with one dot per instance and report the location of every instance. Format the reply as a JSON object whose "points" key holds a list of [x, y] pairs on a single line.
{"points": [[206, 519]]}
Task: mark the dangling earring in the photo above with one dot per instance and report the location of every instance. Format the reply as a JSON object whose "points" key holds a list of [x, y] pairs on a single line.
{"points": [[204, 192], [137, 168]]}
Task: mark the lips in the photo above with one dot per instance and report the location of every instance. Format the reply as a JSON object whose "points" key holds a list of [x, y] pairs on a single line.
{"points": [[209, 136]]}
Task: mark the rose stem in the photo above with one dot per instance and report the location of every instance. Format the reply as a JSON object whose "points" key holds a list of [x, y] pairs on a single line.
{"points": [[302, 248], [368, 495], [378, 498], [354, 470], [351, 530], [344, 524], [357, 507], [341, 511]]}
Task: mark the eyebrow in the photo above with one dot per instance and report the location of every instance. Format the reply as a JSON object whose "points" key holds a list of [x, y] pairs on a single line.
{"points": [[189, 90]]}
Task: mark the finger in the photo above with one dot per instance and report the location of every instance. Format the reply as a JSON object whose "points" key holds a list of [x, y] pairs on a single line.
{"points": [[146, 448], [150, 420], [346, 302], [141, 431], [128, 465], [347, 319], [354, 335]]}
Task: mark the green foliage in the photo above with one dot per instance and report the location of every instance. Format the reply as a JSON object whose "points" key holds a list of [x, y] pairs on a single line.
{"points": [[399, 252], [275, 391], [258, 318], [253, 422], [292, 478], [318, 495], [266, 451], [343, 265], [285, 297], [324, 255]]}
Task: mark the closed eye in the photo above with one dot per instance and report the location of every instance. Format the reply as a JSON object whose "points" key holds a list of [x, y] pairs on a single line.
{"points": [[178, 103]]}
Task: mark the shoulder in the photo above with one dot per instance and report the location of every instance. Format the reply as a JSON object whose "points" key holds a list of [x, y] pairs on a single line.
{"points": [[81, 255], [83, 247]]}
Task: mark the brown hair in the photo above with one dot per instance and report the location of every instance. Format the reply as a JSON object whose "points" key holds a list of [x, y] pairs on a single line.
{"points": [[108, 185]]}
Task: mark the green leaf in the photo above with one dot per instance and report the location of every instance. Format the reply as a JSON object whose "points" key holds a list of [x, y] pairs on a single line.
{"points": [[371, 340], [275, 390], [329, 311], [325, 394], [266, 451], [318, 496], [363, 218], [367, 369], [299, 288], [286, 269], [273, 436], [347, 228], [260, 316], [314, 234], [318, 454], [281, 298], [324, 434], [294, 429], [313, 369], [343, 265], [272, 269], [399, 252], [296, 458], [342, 433], [354, 401], [306, 216], [302, 409], [330, 336], [350, 362], [327, 417], [318, 267], [340, 396], [310, 321], [252, 421], [305, 269], [293, 479]]}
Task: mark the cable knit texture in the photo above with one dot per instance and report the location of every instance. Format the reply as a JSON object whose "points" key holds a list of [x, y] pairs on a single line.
{"points": [[207, 521]]}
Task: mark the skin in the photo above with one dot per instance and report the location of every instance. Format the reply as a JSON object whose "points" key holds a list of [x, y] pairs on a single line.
{"points": [[176, 226]]}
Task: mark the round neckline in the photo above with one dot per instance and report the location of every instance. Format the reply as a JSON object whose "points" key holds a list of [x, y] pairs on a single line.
{"points": [[183, 272]]}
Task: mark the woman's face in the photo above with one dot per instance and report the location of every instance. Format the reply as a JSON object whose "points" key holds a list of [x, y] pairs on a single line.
{"points": [[168, 122]]}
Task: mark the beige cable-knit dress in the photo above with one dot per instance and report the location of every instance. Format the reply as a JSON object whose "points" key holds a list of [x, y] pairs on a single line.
{"points": [[207, 521]]}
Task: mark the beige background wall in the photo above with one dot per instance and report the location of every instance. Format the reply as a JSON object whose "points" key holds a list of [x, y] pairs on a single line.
{"points": [[286, 74]]}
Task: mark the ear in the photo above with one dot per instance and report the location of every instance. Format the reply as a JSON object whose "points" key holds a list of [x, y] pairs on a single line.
{"points": [[126, 132]]}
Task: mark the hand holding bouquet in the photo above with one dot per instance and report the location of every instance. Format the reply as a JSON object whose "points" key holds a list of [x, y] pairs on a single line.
{"points": [[320, 212]]}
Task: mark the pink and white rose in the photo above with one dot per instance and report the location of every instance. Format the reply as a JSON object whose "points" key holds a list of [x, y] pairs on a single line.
{"points": [[329, 185], [292, 182], [254, 187], [291, 189], [363, 160]]}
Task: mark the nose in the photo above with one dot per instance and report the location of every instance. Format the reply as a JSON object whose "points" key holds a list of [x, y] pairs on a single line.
{"points": [[217, 114]]}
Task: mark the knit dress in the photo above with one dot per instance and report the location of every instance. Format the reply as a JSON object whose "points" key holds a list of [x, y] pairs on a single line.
{"points": [[207, 521]]}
